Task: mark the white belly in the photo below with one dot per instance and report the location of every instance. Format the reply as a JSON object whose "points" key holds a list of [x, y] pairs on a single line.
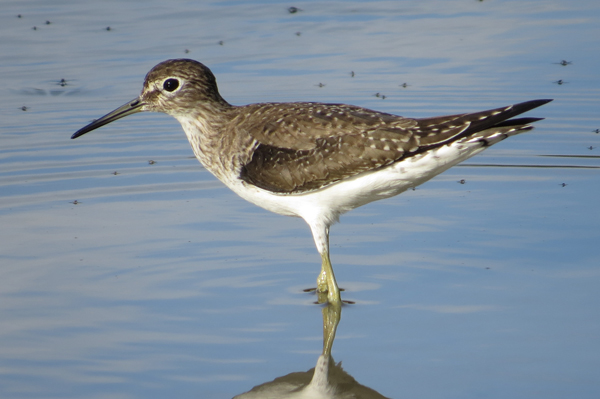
{"points": [[327, 204]]}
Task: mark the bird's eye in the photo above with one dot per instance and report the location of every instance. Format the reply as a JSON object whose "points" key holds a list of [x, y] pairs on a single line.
{"points": [[171, 84]]}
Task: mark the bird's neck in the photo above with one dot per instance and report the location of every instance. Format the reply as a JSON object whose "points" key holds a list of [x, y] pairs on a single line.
{"points": [[216, 143]]}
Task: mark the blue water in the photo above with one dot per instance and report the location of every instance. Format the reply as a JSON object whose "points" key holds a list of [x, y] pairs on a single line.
{"points": [[157, 282]]}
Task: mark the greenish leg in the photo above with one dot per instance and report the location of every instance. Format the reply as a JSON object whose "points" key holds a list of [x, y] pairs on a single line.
{"points": [[327, 288], [326, 281]]}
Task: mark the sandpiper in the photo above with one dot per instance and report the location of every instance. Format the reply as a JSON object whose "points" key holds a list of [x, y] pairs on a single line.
{"points": [[313, 160]]}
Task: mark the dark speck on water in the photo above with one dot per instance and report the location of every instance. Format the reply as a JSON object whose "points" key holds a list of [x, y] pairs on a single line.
{"points": [[293, 10]]}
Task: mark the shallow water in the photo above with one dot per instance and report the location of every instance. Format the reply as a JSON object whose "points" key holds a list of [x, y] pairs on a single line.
{"points": [[122, 278]]}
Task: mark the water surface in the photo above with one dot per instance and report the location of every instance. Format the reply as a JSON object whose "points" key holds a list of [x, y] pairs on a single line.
{"points": [[124, 278]]}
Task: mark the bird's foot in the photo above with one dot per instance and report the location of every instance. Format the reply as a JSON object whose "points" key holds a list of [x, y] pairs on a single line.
{"points": [[322, 283], [315, 289], [322, 297]]}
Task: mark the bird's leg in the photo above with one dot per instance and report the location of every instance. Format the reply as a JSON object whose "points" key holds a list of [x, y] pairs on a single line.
{"points": [[326, 281], [322, 279]]}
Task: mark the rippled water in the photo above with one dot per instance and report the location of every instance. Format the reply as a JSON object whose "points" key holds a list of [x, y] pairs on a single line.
{"points": [[125, 278]]}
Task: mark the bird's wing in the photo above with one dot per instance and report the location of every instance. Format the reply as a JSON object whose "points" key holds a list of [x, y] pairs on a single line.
{"points": [[298, 126], [302, 147]]}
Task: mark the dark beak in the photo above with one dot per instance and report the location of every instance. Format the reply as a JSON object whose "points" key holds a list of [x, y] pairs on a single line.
{"points": [[130, 108]]}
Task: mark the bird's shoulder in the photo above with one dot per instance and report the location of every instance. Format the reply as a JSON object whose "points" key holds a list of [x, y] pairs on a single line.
{"points": [[303, 125]]}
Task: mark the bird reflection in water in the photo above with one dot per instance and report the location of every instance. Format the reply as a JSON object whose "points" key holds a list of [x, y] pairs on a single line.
{"points": [[327, 380]]}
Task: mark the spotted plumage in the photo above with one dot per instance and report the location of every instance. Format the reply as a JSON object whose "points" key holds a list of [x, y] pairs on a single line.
{"points": [[313, 160], [302, 147]]}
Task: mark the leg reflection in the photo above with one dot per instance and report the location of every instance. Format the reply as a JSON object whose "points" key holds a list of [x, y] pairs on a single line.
{"points": [[326, 381], [332, 313]]}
